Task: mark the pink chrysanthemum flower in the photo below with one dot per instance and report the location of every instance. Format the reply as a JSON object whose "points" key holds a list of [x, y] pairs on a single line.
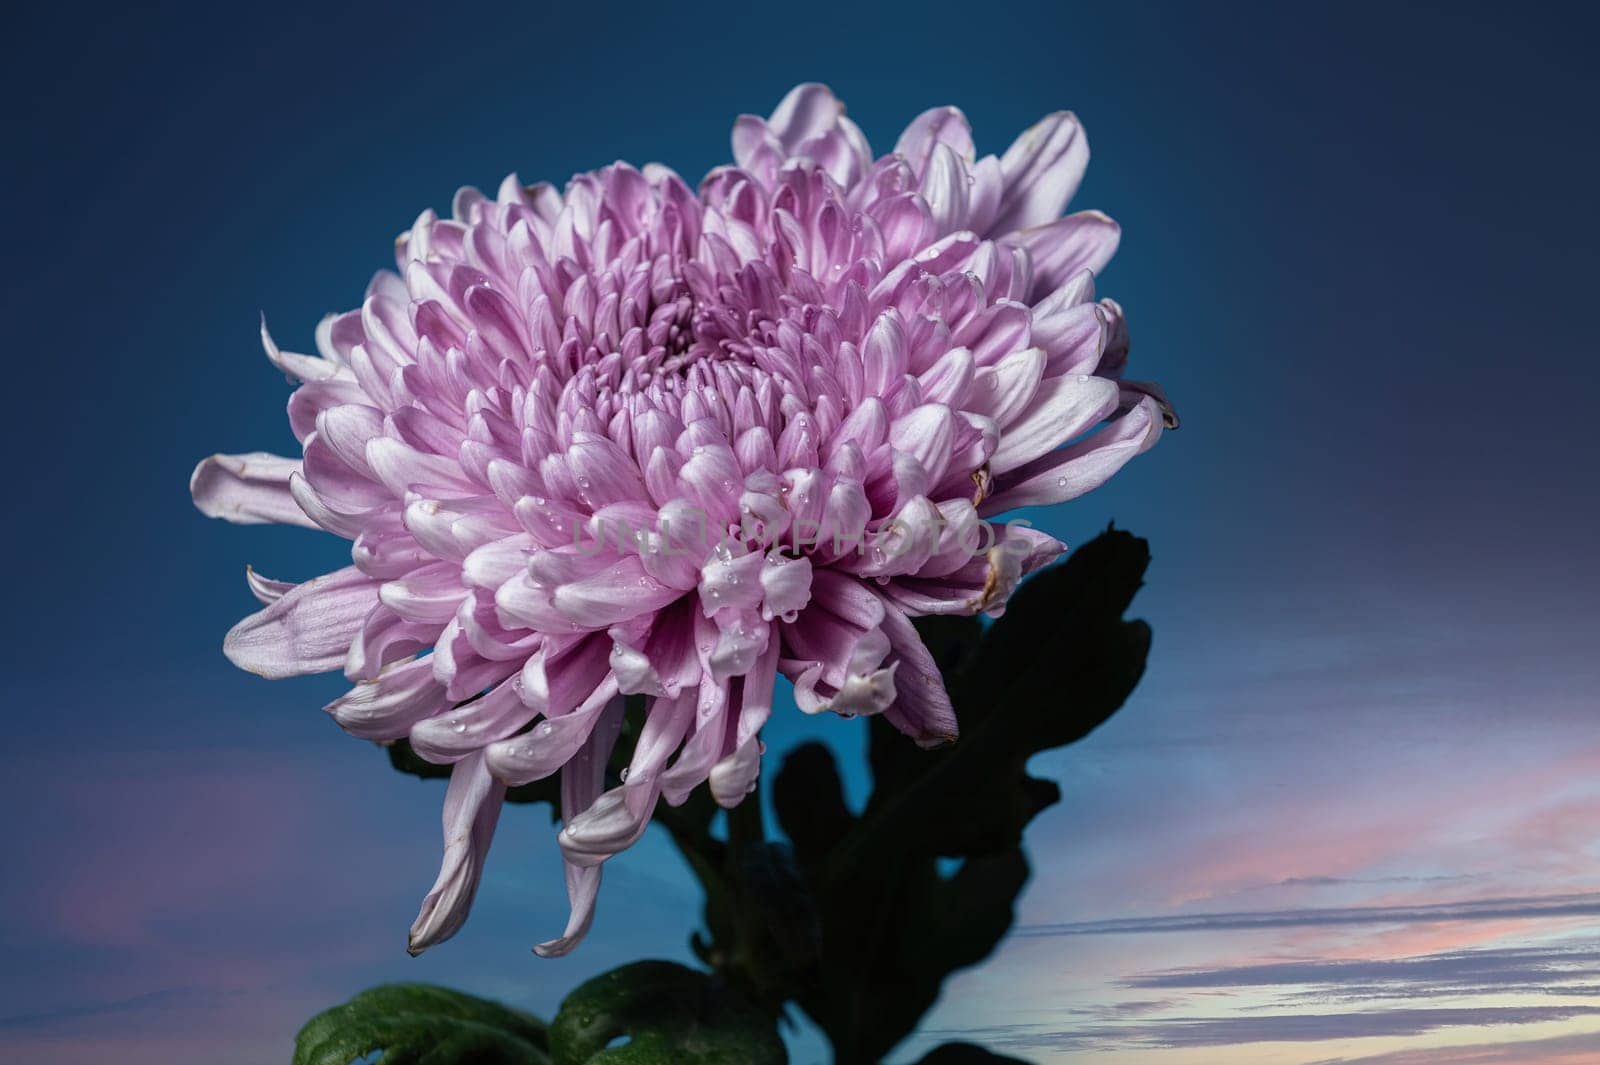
{"points": [[631, 438]]}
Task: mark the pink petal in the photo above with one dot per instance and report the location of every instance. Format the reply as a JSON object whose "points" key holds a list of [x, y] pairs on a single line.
{"points": [[1063, 249], [250, 489], [1072, 471], [936, 126], [308, 630], [471, 808], [467, 729], [1061, 409], [386, 708], [1042, 169], [921, 707], [735, 776]]}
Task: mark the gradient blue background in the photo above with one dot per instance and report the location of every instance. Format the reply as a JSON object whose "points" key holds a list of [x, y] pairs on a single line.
{"points": [[1360, 251]]}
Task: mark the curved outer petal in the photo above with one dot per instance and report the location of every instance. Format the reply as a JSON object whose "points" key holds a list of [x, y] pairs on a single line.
{"points": [[1063, 249], [1042, 169], [388, 707], [921, 708], [735, 776], [704, 748], [307, 630], [467, 729], [471, 808], [840, 647], [551, 743], [665, 726], [250, 489], [934, 127], [809, 110], [1061, 409], [265, 589], [581, 780], [1086, 465], [307, 368]]}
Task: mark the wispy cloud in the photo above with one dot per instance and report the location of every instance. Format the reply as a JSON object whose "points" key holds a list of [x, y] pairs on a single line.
{"points": [[1515, 907], [1459, 971], [1189, 1032], [1582, 1048]]}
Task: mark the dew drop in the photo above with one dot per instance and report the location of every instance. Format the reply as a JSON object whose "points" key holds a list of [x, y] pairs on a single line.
{"points": [[624, 774], [546, 728], [460, 726], [1061, 482]]}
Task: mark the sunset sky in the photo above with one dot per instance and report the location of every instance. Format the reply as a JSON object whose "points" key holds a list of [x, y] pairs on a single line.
{"points": [[1352, 813]]}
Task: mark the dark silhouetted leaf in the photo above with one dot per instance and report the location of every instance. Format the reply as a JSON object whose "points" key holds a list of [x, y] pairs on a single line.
{"points": [[662, 1013], [966, 1054], [418, 1024]]}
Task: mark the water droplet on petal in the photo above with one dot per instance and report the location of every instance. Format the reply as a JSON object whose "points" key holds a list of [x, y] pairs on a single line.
{"points": [[1061, 482], [460, 726], [624, 774], [546, 728]]}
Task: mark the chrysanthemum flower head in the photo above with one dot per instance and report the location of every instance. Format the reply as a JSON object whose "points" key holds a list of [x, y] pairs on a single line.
{"points": [[634, 438]]}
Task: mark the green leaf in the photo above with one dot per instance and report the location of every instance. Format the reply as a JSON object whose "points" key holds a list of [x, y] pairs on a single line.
{"points": [[419, 1024], [662, 1013], [1059, 663]]}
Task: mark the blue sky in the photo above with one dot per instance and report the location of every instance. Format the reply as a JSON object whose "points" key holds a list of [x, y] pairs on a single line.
{"points": [[1360, 248]]}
